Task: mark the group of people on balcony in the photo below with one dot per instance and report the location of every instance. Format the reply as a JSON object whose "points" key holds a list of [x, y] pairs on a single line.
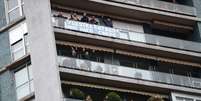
{"points": [[80, 53], [91, 19]]}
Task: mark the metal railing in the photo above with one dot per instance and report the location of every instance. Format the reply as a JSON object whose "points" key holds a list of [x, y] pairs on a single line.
{"points": [[127, 35], [161, 5], [128, 72]]}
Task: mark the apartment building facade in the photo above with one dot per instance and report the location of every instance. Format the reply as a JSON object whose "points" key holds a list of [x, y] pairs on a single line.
{"points": [[100, 50]]}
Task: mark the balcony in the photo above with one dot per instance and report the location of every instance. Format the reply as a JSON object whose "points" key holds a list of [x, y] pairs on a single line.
{"points": [[127, 35], [127, 72], [161, 5]]}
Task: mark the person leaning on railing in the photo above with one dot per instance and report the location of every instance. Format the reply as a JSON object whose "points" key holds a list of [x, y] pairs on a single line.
{"points": [[108, 22], [85, 18], [93, 20], [102, 20], [105, 21], [74, 17]]}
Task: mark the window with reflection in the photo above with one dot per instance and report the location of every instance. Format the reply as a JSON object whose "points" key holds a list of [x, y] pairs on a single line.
{"points": [[24, 81], [15, 9]]}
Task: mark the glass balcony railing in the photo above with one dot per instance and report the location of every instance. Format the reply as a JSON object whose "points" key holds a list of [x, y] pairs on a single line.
{"points": [[128, 72], [126, 35], [161, 5]]}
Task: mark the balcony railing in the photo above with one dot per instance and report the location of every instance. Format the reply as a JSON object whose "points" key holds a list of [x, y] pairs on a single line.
{"points": [[127, 35], [161, 5], [128, 72]]}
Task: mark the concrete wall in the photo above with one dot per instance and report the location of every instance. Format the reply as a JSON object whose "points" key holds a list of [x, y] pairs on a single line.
{"points": [[4, 38], [2, 14], [7, 85], [43, 50], [5, 56]]}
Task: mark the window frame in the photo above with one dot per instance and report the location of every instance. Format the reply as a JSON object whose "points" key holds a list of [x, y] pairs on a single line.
{"points": [[26, 66], [180, 95], [19, 6], [184, 98], [13, 45], [24, 37]]}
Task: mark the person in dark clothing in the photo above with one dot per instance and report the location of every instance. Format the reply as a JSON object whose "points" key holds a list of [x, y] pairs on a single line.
{"points": [[84, 18], [101, 22], [93, 20], [108, 22]]}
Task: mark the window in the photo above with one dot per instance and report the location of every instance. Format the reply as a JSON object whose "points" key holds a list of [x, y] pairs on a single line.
{"points": [[24, 81], [19, 41], [17, 50], [183, 99], [15, 9]]}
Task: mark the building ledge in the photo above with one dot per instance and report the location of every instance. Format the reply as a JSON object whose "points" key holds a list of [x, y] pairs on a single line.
{"points": [[11, 24], [28, 97], [15, 64]]}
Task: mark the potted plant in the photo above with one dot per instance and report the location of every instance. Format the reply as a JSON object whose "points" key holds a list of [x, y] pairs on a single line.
{"points": [[112, 96], [155, 98], [77, 94]]}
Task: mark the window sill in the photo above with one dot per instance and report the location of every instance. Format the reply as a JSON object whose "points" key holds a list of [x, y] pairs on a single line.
{"points": [[13, 64], [28, 97]]}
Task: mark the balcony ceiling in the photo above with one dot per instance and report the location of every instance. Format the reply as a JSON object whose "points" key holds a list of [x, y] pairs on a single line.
{"points": [[125, 12]]}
